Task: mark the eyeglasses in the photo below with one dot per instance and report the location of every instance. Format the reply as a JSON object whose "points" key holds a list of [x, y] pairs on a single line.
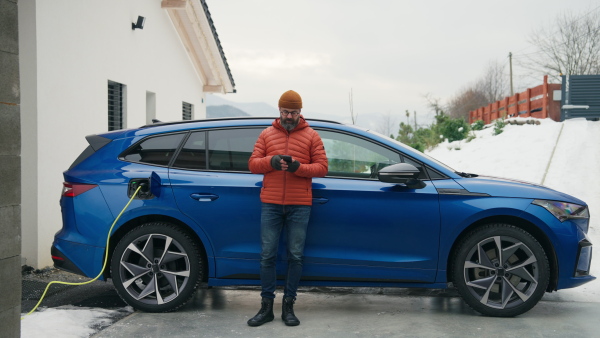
{"points": [[286, 113]]}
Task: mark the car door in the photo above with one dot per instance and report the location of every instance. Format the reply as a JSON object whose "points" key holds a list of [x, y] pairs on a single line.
{"points": [[362, 229], [213, 186]]}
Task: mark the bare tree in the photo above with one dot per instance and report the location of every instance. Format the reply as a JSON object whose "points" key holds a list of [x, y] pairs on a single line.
{"points": [[433, 103], [465, 101], [491, 87], [571, 46], [388, 124], [494, 83]]}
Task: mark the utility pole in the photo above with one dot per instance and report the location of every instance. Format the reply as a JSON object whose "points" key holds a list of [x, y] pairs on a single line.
{"points": [[415, 113], [511, 76], [352, 108]]}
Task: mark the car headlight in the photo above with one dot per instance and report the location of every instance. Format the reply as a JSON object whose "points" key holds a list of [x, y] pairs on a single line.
{"points": [[564, 211]]}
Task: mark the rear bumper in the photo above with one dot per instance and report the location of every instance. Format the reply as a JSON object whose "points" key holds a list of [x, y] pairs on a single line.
{"points": [[63, 263], [81, 259]]}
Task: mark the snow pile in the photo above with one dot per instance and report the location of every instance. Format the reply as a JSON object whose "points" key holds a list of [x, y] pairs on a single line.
{"points": [[520, 151], [68, 321]]}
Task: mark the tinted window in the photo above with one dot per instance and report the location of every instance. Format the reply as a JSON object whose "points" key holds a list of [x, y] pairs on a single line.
{"points": [[434, 175], [419, 165], [156, 150], [193, 153], [231, 149], [351, 156]]}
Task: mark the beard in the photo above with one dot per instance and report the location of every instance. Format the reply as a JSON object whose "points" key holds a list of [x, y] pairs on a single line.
{"points": [[289, 124]]}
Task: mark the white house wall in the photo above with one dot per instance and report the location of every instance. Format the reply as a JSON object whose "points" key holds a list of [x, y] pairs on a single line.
{"points": [[73, 49]]}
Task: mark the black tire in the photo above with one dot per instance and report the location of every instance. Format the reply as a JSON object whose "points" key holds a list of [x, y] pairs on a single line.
{"points": [[156, 267], [500, 285]]}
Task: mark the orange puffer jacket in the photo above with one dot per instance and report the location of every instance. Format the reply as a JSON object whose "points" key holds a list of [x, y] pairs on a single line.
{"points": [[304, 145]]}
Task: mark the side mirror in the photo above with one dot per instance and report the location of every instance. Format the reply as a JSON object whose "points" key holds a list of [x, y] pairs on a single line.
{"points": [[401, 173]]}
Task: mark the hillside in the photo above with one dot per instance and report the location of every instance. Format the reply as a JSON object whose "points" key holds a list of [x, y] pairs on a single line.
{"points": [[224, 111], [251, 109]]}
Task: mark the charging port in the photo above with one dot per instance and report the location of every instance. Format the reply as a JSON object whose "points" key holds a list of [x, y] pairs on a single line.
{"points": [[145, 193]]}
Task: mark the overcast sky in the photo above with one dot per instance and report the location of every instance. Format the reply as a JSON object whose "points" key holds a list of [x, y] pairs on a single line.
{"points": [[389, 52]]}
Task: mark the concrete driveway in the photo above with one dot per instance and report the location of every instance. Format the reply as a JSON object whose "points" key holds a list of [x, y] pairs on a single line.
{"points": [[357, 312]]}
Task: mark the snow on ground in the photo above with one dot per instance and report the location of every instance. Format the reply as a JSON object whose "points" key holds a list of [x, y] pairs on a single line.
{"points": [[521, 151], [67, 322]]}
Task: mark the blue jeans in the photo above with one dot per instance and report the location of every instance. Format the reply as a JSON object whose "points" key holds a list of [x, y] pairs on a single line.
{"points": [[274, 218]]}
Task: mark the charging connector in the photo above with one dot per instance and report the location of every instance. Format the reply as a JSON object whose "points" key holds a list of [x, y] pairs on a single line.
{"points": [[145, 192]]}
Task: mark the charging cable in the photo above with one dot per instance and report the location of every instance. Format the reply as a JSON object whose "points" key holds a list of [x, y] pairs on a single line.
{"points": [[105, 257]]}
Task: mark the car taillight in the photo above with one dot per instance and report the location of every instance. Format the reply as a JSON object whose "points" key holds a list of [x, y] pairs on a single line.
{"points": [[74, 189]]}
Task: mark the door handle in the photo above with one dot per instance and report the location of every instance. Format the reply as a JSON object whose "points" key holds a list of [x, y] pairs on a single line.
{"points": [[320, 200], [204, 197]]}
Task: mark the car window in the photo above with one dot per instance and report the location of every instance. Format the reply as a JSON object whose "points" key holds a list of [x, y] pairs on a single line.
{"points": [[155, 150], [355, 157], [418, 165], [193, 153], [230, 149]]}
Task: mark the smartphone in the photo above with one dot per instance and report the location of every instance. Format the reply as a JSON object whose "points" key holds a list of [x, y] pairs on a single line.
{"points": [[286, 158]]}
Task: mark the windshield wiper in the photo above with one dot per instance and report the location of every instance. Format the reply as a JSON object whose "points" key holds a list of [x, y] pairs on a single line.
{"points": [[466, 175]]}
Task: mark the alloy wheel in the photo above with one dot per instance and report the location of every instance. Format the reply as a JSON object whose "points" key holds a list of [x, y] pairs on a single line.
{"points": [[154, 268], [501, 272]]}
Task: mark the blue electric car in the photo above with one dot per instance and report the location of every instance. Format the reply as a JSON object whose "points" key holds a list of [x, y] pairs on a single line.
{"points": [[385, 215]]}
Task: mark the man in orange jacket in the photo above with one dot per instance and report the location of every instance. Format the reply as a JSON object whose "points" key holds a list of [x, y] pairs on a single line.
{"points": [[289, 154]]}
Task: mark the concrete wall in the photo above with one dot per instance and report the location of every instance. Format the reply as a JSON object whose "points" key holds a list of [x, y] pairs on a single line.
{"points": [[10, 178], [69, 52]]}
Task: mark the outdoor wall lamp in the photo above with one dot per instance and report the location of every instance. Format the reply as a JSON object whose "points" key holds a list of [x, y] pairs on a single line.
{"points": [[139, 24]]}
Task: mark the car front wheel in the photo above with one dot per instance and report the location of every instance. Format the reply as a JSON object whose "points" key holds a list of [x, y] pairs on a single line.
{"points": [[500, 270], [156, 267]]}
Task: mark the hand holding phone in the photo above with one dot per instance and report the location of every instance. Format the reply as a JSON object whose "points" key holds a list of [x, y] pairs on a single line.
{"points": [[286, 158]]}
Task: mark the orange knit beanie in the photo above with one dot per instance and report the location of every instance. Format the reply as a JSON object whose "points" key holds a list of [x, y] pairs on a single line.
{"points": [[290, 100]]}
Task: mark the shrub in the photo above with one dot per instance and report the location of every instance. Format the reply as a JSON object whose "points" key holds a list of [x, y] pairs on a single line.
{"points": [[454, 129], [499, 125], [477, 125], [427, 138]]}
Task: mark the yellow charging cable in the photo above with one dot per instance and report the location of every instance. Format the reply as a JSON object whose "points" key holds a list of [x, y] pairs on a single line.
{"points": [[103, 265]]}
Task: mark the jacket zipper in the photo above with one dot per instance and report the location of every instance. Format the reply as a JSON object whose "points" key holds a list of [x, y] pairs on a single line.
{"points": [[287, 144]]}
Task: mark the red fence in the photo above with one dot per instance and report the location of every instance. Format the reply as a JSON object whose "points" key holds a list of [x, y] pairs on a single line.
{"points": [[535, 102]]}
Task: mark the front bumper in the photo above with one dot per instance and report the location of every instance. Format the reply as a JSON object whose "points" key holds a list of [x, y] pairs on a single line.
{"points": [[584, 258]]}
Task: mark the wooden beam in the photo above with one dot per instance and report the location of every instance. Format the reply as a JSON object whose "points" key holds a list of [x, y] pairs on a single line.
{"points": [[213, 89], [173, 3]]}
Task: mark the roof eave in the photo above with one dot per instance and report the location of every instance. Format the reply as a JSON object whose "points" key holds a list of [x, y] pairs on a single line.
{"points": [[197, 32]]}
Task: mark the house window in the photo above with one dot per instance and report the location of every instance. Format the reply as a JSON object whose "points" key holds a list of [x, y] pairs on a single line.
{"points": [[115, 105], [187, 110]]}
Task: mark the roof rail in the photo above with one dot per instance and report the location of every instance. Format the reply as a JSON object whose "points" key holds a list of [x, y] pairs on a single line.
{"points": [[160, 123]]}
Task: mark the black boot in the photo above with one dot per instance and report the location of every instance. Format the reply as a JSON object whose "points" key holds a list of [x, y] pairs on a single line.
{"points": [[287, 312], [264, 315]]}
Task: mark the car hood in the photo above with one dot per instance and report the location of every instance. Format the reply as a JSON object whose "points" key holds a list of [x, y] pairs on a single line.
{"points": [[505, 187]]}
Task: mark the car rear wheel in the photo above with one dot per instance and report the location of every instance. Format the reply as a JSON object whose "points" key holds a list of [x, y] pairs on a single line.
{"points": [[501, 270], [156, 267]]}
